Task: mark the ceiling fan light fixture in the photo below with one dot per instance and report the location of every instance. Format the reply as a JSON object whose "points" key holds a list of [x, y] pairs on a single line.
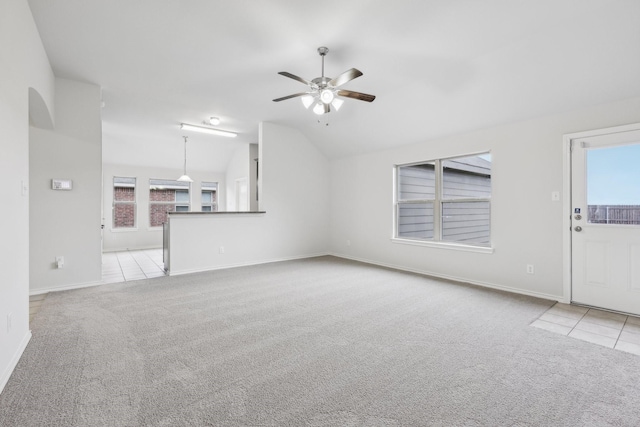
{"points": [[323, 91], [327, 96], [208, 130], [319, 108], [307, 101]]}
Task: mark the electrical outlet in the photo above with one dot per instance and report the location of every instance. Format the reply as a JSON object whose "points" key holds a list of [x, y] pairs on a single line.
{"points": [[529, 268], [221, 249], [60, 261]]}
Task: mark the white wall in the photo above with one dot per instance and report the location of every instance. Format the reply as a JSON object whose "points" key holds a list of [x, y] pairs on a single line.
{"points": [[238, 168], [23, 65], [67, 223], [294, 193], [144, 236], [526, 224]]}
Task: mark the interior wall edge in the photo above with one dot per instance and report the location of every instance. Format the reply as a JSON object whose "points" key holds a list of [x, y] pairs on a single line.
{"points": [[4, 379]]}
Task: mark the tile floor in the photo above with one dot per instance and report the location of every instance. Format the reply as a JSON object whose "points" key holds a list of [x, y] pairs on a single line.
{"points": [[600, 327], [131, 265], [35, 301]]}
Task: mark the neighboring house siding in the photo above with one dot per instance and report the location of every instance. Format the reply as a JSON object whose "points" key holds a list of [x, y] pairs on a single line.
{"points": [[463, 220]]}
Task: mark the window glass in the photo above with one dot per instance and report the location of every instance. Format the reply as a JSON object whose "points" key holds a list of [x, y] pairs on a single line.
{"points": [[166, 196], [415, 220], [466, 177], [466, 222], [417, 182], [124, 202], [445, 200], [209, 196], [613, 194]]}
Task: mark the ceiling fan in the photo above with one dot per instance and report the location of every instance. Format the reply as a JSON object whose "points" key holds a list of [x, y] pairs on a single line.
{"points": [[323, 91]]}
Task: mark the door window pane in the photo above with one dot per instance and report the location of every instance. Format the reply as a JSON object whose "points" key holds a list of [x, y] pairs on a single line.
{"points": [[613, 185]]}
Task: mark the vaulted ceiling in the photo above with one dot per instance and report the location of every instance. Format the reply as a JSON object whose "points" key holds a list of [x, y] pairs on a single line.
{"points": [[436, 67]]}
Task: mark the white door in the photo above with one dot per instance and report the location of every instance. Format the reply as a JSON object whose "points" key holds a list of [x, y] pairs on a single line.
{"points": [[242, 195], [605, 221]]}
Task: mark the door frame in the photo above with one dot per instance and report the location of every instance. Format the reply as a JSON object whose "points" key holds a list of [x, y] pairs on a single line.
{"points": [[566, 199]]}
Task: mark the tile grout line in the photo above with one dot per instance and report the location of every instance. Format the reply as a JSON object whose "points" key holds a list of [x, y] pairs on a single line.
{"points": [[620, 333], [579, 320]]}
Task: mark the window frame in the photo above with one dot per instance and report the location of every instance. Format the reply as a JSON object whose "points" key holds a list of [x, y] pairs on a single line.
{"points": [[438, 201], [171, 184], [212, 188], [133, 203]]}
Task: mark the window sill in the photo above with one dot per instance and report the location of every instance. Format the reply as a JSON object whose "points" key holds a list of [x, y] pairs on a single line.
{"points": [[444, 245], [123, 230]]}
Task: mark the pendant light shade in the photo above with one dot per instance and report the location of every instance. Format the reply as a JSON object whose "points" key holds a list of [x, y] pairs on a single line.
{"points": [[185, 177]]}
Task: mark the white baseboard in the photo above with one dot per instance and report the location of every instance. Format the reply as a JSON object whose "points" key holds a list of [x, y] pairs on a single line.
{"points": [[4, 379], [457, 279], [244, 264], [63, 288]]}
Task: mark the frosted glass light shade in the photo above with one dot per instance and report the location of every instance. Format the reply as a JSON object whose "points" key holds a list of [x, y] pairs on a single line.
{"points": [[307, 100]]}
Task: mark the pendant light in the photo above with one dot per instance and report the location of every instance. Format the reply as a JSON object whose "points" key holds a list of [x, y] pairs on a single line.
{"points": [[185, 177]]}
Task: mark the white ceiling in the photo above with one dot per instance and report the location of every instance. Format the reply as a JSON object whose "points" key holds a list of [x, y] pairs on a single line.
{"points": [[437, 67]]}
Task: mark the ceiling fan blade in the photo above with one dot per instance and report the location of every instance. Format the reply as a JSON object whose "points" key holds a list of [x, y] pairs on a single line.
{"points": [[345, 77], [294, 77], [289, 96], [357, 95]]}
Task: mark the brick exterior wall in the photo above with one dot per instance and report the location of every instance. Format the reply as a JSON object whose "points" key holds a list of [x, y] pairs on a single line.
{"points": [[124, 214], [157, 211]]}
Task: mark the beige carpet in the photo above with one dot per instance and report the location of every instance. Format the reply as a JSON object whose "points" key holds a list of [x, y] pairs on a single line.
{"points": [[316, 342]]}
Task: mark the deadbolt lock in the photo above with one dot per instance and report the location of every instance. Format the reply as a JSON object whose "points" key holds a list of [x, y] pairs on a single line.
{"points": [[578, 228]]}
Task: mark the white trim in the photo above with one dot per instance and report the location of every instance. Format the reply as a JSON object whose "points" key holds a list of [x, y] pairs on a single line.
{"points": [[4, 379], [566, 199], [245, 264], [443, 245], [142, 248], [123, 229], [64, 288], [455, 278]]}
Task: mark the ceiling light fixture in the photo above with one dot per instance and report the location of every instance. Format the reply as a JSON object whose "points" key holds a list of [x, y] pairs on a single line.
{"points": [[324, 92], [209, 130], [214, 121], [185, 177]]}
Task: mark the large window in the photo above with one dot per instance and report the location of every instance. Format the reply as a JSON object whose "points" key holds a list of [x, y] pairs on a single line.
{"points": [[166, 196], [209, 196], [445, 200], [124, 202]]}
